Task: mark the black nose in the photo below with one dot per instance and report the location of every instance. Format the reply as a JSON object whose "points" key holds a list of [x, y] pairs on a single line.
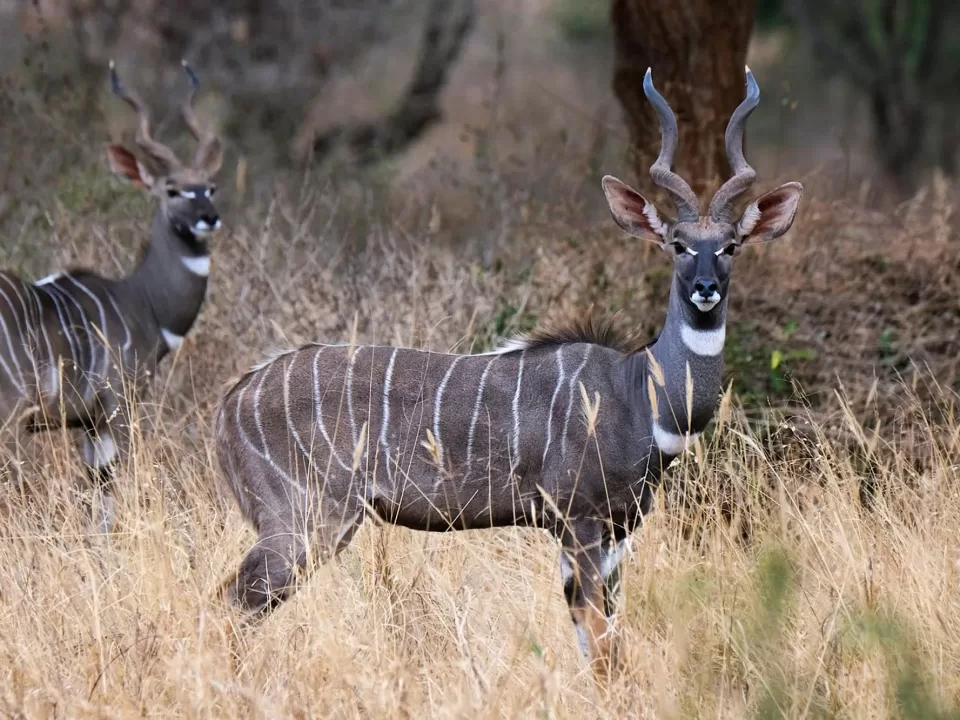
{"points": [[210, 220], [705, 287]]}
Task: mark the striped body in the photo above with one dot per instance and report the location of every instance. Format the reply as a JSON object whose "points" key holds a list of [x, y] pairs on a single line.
{"points": [[76, 348], [502, 427], [314, 440], [74, 341], [54, 357], [433, 441]]}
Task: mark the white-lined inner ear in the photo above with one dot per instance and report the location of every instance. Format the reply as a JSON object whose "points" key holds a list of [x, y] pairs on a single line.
{"points": [[145, 177], [748, 223], [650, 212]]}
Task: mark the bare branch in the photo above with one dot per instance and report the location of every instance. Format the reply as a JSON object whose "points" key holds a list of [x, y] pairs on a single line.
{"points": [[448, 22]]}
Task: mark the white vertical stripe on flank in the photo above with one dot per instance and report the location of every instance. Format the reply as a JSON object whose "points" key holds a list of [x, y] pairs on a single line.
{"points": [[349, 386], [476, 410], [516, 415], [385, 420], [53, 387], [63, 315], [438, 405], [238, 421], [127, 338], [100, 337], [573, 380], [88, 388], [22, 341], [319, 413], [553, 400], [291, 426]]}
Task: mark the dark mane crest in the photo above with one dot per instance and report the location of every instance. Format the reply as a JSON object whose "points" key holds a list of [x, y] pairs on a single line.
{"points": [[588, 328]]}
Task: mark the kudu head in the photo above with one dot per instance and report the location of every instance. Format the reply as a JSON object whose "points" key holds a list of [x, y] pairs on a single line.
{"points": [[185, 192], [703, 246]]}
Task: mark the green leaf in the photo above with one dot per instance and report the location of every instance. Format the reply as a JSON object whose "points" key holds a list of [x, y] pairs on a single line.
{"points": [[775, 357]]}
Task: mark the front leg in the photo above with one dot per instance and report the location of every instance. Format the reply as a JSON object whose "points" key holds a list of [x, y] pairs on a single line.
{"points": [[103, 446], [589, 568], [614, 547]]}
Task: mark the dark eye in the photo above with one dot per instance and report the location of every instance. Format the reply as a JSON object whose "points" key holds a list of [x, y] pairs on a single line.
{"points": [[211, 191], [678, 247], [729, 249], [173, 192]]}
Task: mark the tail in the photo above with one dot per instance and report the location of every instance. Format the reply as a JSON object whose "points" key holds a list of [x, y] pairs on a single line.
{"points": [[226, 431], [230, 480]]}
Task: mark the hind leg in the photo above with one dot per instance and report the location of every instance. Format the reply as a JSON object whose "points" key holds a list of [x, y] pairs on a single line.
{"points": [[269, 573], [266, 575]]}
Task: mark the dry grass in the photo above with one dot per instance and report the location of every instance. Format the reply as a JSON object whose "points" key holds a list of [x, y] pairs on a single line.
{"points": [[826, 610]]}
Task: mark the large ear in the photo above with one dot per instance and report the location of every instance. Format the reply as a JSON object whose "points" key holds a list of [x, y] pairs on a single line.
{"points": [[633, 212], [770, 215], [125, 164]]}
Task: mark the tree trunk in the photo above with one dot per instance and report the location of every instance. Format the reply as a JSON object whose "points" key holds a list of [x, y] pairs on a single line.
{"points": [[697, 49]]}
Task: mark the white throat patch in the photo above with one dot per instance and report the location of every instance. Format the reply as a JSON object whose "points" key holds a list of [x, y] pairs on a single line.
{"points": [[48, 279], [199, 266], [704, 342], [172, 340]]}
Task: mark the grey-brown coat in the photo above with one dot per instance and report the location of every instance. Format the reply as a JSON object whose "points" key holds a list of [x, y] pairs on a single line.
{"points": [[75, 347], [568, 431]]}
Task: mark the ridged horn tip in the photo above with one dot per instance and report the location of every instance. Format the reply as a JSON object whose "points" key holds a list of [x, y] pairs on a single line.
{"points": [[115, 83], [753, 89], [648, 87], [194, 80]]}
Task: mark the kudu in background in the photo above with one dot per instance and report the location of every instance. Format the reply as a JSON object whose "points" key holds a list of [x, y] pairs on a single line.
{"points": [[78, 346], [566, 430]]}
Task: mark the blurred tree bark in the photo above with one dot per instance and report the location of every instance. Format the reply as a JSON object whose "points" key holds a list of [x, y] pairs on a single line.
{"points": [[697, 49]]}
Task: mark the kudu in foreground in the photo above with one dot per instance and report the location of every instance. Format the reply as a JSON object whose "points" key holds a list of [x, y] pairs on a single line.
{"points": [[77, 346], [566, 430]]}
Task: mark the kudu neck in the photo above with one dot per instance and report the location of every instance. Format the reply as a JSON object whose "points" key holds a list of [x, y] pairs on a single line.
{"points": [[172, 275], [689, 351]]}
